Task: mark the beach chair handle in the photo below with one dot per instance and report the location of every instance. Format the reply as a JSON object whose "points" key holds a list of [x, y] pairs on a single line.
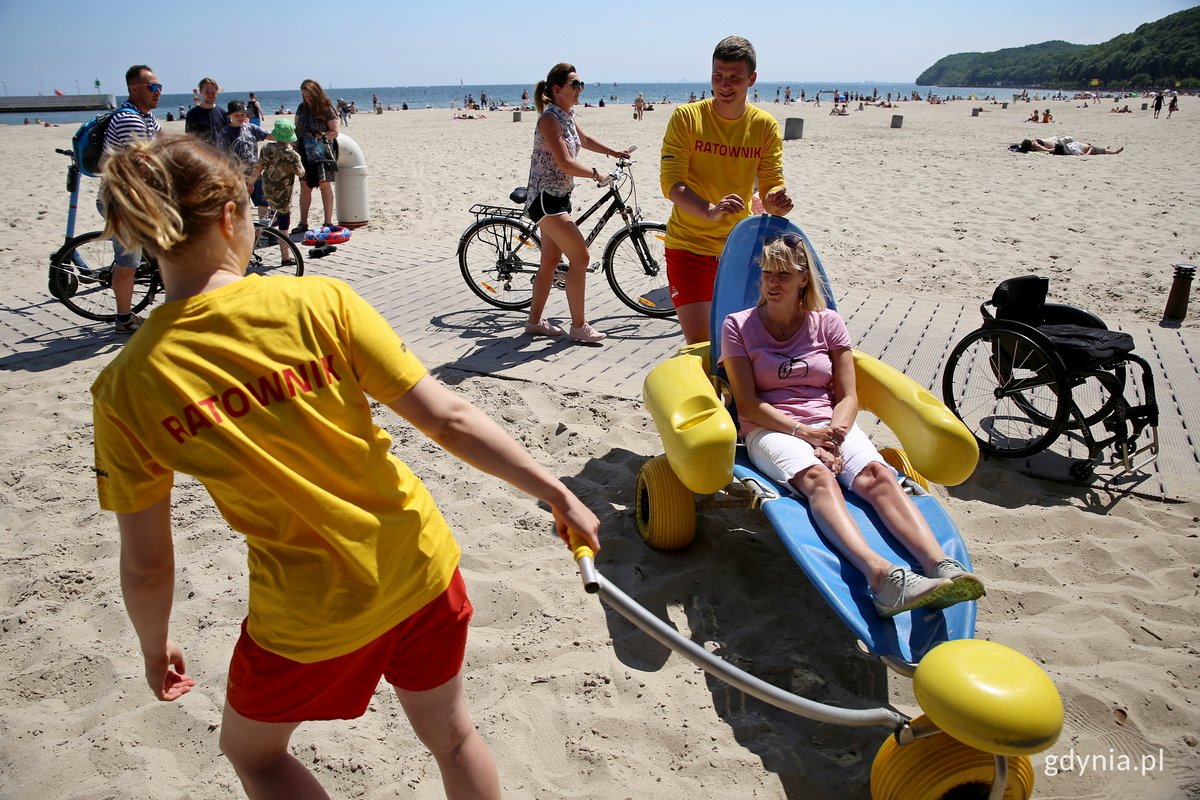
{"points": [[585, 558]]}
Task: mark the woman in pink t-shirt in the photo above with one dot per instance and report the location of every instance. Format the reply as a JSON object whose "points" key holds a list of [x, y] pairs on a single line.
{"points": [[792, 373]]}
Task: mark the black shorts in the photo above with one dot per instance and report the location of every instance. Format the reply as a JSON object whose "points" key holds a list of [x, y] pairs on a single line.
{"points": [[548, 205], [319, 172]]}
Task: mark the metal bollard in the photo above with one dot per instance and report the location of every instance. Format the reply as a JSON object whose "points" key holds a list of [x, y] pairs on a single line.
{"points": [[1181, 288]]}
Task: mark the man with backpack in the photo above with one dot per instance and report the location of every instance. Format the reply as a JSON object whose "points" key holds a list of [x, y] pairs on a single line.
{"points": [[133, 119]]}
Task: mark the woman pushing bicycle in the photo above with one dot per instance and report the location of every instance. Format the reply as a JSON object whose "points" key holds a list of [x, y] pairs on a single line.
{"points": [[553, 168], [259, 388]]}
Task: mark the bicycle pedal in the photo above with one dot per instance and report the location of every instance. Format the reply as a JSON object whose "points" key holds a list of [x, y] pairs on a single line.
{"points": [[594, 267]]}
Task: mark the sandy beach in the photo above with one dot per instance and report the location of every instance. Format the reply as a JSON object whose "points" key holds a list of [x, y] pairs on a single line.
{"points": [[1103, 591]]}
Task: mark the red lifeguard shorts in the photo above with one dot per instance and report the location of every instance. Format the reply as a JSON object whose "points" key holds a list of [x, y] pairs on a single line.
{"points": [[421, 653], [691, 276]]}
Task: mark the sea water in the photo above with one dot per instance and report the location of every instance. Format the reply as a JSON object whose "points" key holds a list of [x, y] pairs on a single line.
{"points": [[501, 94]]}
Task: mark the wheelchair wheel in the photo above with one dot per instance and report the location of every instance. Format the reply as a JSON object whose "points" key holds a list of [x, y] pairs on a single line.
{"points": [[665, 508], [1009, 390], [1097, 394], [940, 767]]}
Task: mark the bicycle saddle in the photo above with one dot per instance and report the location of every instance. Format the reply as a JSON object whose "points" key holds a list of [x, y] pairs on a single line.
{"points": [[519, 195]]}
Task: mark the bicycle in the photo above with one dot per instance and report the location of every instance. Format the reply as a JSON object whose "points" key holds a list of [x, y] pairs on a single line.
{"points": [[500, 253], [81, 270]]}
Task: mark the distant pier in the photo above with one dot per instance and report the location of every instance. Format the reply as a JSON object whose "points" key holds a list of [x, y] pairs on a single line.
{"points": [[58, 102]]}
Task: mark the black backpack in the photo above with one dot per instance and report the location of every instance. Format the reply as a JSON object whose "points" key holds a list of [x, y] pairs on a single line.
{"points": [[88, 141]]}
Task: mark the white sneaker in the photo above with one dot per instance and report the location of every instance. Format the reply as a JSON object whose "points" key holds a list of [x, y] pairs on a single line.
{"points": [[903, 590], [587, 334]]}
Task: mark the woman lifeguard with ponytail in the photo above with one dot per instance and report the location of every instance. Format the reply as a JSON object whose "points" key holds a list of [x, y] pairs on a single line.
{"points": [[259, 387]]}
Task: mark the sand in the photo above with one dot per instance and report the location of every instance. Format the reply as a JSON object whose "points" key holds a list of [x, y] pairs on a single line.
{"points": [[1100, 590]]}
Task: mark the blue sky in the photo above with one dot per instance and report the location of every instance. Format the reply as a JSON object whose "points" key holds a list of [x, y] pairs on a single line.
{"points": [[354, 43]]}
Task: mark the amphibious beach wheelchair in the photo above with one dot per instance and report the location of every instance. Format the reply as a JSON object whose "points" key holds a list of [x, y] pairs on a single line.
{"points": [[986, 707], [1037, 370]]}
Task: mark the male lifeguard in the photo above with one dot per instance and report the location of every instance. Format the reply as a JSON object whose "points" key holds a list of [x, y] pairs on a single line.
{"points": [[712, 153]]}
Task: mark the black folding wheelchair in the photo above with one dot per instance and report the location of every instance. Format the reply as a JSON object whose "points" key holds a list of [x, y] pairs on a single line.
{"points": [[1037, 370]]}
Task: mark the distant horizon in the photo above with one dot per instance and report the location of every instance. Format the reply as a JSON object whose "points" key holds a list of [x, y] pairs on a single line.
{"points": [[827, 85]]}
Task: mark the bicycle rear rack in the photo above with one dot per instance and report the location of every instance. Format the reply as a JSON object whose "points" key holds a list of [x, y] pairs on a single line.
{"points": [[481, 210]]}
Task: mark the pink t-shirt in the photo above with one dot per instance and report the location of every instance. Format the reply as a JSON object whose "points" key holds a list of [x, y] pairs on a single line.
{"points": [[794, 376]]}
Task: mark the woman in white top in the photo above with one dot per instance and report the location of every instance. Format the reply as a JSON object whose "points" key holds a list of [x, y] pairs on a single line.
{"points": [[552, 172]]}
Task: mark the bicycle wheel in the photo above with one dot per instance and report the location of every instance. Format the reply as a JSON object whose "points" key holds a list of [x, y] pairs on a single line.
{"points": [[635, 264], [499, 259], [272, 252], [1010, 393], [81, 278]]}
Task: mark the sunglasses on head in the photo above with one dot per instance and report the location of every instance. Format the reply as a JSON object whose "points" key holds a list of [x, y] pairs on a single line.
{"points": [[154, 87], [577, 84], [789, 239]]}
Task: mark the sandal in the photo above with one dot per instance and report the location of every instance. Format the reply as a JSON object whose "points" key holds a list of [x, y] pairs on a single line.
{"points": [[288, 262]]}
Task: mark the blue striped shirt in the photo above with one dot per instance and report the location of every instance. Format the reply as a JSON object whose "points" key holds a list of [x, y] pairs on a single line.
{"points": [[124, 127]]}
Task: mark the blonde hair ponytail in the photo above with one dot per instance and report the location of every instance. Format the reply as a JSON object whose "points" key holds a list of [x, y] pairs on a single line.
{"points": [[159, 193]]}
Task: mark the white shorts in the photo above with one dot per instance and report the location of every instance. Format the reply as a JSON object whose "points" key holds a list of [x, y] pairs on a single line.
{"points": [[781, 456]]}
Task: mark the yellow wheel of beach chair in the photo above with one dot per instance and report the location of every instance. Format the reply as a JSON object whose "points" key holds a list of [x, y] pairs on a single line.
{"points": [[898, 460], [940, 766], [665, 508]]}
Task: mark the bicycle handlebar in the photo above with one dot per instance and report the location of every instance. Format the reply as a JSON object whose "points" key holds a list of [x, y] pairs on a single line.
{"points": [[64, 152]]}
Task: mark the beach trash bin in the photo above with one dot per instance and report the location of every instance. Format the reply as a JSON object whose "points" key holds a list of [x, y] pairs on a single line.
{"points": [[897, 120], [516, 116], [1004, 105], [974, 112], [1177, 300], [350, 190], [1145, 106], [793, 128]]}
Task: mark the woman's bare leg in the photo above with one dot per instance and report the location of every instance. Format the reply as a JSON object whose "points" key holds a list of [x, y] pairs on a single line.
{"points": [[564, 233], [828, 506], [878, 486], [259, 754], [442, 722]]}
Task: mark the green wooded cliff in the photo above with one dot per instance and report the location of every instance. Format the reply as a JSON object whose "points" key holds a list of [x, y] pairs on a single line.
{"points": [[1165, 53]]}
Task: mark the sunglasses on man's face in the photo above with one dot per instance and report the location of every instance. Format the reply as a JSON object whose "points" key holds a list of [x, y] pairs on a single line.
{"points": [[154, 87], [577, 84]]}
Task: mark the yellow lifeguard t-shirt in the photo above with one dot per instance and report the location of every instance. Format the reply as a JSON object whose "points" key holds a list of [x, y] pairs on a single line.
{"points": [[715, 157], [259, 389]]}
